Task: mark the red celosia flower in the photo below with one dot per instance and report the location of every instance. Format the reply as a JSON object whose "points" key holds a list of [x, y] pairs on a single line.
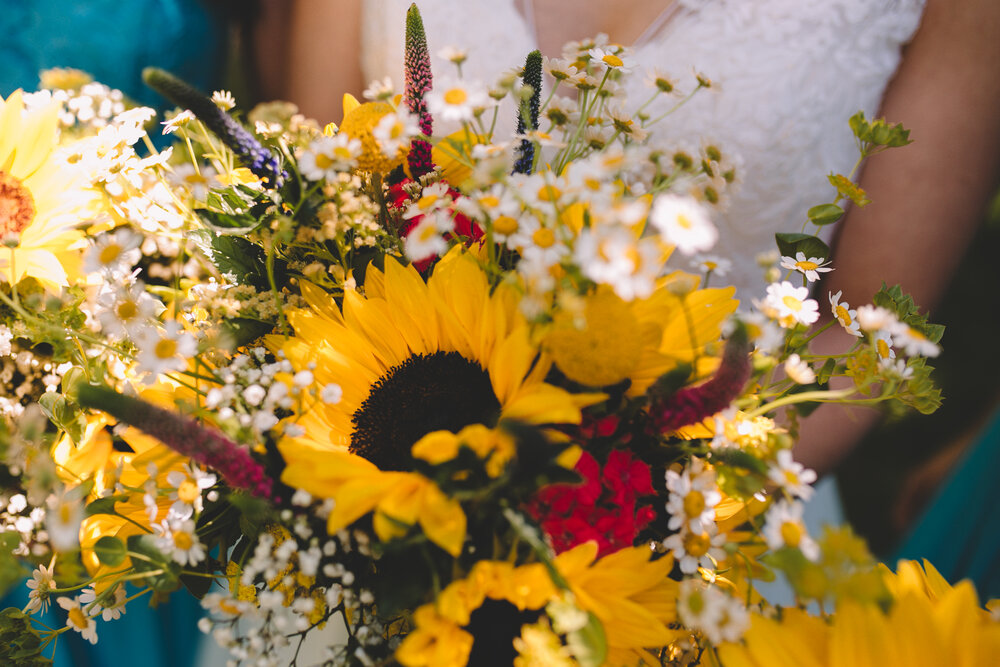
{"points": [[604, 507]]}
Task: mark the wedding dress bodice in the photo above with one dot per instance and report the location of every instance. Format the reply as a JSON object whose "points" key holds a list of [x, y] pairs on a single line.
{"points": [[787, 74]]}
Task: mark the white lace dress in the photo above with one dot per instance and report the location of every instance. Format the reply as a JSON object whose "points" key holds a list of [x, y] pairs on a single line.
{"points": [[787, 74]]}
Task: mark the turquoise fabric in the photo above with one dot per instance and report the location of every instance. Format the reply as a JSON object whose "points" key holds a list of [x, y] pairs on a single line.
{"points": [[112, 39], [959, 533]]}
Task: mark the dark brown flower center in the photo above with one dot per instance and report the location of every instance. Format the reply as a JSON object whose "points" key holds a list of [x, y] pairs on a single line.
{"points": [[443, 391], [17, 206]]}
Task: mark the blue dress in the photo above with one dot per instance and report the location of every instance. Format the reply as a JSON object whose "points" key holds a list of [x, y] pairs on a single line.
{"points": [[114, 40], [959, 533]]}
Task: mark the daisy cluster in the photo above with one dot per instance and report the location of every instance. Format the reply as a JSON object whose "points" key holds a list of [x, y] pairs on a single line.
{"points": [[414, 379]]}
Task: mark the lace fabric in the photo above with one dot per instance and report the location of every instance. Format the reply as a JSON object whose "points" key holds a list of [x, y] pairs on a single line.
{"points": [[787, 74]]}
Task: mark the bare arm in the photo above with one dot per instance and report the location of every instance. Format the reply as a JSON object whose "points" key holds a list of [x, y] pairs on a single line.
{"points": [[928, 196], [321, 59]]}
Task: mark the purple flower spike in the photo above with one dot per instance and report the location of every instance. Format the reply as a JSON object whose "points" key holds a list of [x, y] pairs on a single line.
{"points": [[185, 436], [417, 62]]}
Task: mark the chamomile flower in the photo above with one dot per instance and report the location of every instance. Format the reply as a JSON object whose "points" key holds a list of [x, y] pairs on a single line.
{"points": [[882, 342], [766, 336], [177, 121], [196, 180], [914, 343], [799, 370], [124, 310], [426, 239], [188, 484], [457, 100], [877, 318], [223, 99], [62, 521], [394, 131], [810, 267], [794, 478], [379, 91], [684, 223], [612, 57], [453, 54], [611, 255], [696, 548], [163, 350], [847, 316], [789, 305], [784, 527], [432, 198], [113, 253], [113, 603], [896, 369], [706, 609], [179, 540], [326, 157], [693, 497], [77, 619], [711, 264], [41, 584]]}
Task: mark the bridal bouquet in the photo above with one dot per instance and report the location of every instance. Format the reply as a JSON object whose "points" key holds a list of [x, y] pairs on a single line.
{"points": [[431, 398]]}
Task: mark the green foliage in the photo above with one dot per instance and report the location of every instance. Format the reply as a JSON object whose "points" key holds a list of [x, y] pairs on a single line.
{"points": [[825, 214], [163, 575], [20, 645], [920, 392], [11, 570], [878, 134], [589, 644], [902, 304], [110, 551], [63, 414]]}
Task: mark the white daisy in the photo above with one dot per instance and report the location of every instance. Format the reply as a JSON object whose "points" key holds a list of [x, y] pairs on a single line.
{"points": [[178, 540], [171, 125], [41, 584], [790, 305], [223, 99], [877, 318], [394, 131], [113, 603], [379, 91], [113, 253], [914, 343], [784, 527], [457, 99], [62, 521], [188, 485], [163, 350], [800, 371], [612, 255], [882, 342], [718, 266], [846, 315], [810, 267], [793, 477], [78, 620], [693, 497], [684, 223], [325, 157], [693, 549], [612, 57], [426, 239]]}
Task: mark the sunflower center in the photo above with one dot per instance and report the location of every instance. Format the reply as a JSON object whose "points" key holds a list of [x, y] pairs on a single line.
{"points": [[443, 391], [17, 206], [494, 625]]}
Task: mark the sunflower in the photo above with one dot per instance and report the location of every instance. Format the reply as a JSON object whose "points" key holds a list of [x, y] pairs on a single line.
{"points": [[481, 615], [412, 357], [43, 198], [639, 340], [930, 623]]}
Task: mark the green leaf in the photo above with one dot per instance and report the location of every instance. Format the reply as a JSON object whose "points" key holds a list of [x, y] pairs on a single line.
{"points": [[244, 330], [20, 644], [229, 224], [105, 505], [810, 246], [902, 304], [823, 376], [825, 214], [110, 551], [63, 414], [245, 260], [147, 558]]}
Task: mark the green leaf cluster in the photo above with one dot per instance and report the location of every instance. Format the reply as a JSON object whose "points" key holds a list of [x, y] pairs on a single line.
{"points": [[902, 304], [20, 645], [878, 134]]}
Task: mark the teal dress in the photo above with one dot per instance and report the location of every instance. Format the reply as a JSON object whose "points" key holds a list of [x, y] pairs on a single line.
{"points": [[959, 533], [114, 40]]}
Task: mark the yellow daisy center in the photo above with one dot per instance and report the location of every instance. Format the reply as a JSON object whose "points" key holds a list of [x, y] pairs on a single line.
{"points": [[126, 310], [882, 348], [165, 348], [195, 178], [427, 232], [791, 533], [844, 316], [183, 540], [543, 238], [807, 266], [694, 503], [109, 253], [612, 60], [456, 96], [489, 201], [793, 304], [426, 202], [684, 221], [549, 193], [697, 544], [325, 161], [792, 478], [188, 492], [77, 618], [17, 206], [505, 225]]}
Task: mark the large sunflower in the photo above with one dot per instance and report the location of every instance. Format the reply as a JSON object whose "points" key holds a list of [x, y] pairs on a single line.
{"points": [[475, 620], [43, 198], [411, 357]]}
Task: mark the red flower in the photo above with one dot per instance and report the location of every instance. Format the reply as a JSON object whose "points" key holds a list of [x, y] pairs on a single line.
{"points": [[603, 507], [466, 230]]}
